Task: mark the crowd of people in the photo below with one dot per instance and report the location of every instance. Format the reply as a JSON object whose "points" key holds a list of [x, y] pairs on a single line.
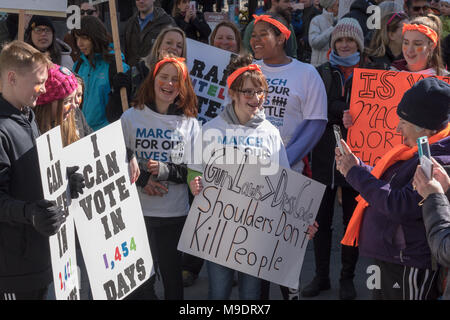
{"points": [[392, 212]]}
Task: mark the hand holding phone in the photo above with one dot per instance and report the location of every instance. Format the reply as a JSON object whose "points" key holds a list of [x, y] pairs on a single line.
{"points": [[338, 136], [423, 149]]}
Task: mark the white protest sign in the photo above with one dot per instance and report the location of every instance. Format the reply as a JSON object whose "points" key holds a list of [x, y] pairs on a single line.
{"points": [[43, 7], [108, 216], [206, 66], [250, 222], [54, 185]]}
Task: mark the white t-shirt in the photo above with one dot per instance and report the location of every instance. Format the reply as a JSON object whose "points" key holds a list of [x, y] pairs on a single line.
{"points": [[296, 93], [163, 138], [263, 141]]}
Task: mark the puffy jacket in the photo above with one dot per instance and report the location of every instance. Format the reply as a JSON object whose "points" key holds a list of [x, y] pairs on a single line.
{"points": [[97, 88], [24, 253], [320, 30], [139, 43], [66, 50], [392, 228]]}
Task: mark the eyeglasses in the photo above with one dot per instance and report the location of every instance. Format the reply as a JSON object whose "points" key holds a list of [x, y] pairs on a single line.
{"points": [[41, 30], [401, 15], [249, 93], [423, 8], [89, 12]]}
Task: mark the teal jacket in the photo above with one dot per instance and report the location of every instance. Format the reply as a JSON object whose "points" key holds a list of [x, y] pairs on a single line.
{"points": [[96, 89]]}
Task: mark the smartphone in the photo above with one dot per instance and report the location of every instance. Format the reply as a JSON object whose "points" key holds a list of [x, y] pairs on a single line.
{"points": [[338, 136], [192, 6], [425, 156]]}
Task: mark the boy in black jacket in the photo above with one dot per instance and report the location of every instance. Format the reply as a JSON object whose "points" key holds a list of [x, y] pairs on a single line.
{"points": [[26, 219]]}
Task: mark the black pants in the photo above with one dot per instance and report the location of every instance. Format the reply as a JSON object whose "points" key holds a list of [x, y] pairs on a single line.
{"points": [[163, 235], [192, 263], [323, 237], [405, 283], [39, 294]]}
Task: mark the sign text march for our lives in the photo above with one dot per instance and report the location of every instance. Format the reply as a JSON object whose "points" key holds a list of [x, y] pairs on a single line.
{"points": [[207, 65], [108, 215], [250, 222], [373, 107], [54, 186]]}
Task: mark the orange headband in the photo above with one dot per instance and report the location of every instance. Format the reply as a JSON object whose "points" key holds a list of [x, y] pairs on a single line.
{"points": [[240, 71], [276, 23], [430, 33], [178, 61]]}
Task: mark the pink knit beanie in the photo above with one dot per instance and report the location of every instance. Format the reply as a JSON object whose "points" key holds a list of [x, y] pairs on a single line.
{"points": [[60, 83]]}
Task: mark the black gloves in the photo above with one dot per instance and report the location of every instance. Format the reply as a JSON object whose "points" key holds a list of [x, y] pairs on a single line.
{"points": [[45, 217], [76, 182], [121, 80]]}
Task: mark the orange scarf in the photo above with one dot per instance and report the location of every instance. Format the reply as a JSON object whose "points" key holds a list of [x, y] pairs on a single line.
{"points": [[400, 152]]}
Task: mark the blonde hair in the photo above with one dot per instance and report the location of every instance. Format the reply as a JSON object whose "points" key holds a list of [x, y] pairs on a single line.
{"points": [[21, 57], [154, 55], [46, 121], [433, 22]]}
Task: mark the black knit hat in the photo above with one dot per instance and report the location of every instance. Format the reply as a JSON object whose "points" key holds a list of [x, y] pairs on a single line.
{"points": [[426, 104], [36, 21]]}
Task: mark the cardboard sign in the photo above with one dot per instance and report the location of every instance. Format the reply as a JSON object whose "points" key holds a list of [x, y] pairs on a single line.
{"points": [[40, 7], [206, 66], [250, 222], [108, 216], [373, 107], [54, 186]]}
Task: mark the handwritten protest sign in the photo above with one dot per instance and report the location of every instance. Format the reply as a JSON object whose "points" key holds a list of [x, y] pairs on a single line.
{"points": [[373, 107], [252, 223], [54, 186], [208, 77], [108, 216]]}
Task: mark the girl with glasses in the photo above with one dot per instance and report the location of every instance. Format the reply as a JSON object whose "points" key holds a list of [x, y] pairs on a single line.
{"points": [[247, 89], [41, 35]]}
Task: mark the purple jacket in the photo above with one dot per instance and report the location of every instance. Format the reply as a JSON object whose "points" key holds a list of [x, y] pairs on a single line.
{"points": [[392, 229]]}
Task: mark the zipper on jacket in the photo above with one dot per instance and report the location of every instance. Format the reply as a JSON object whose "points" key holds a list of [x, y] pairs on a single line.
{"points": [[401, 256]]}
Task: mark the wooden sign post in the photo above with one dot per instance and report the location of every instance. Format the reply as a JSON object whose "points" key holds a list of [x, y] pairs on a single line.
{"points": [[117, 52]]}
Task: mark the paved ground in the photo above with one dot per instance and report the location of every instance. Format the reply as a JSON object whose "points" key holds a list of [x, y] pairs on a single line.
{"points": [[199, 291]]}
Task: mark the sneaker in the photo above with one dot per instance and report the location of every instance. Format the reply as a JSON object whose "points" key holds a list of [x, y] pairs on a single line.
{"points": [[347, 289], [188, 278], [313, 289]]}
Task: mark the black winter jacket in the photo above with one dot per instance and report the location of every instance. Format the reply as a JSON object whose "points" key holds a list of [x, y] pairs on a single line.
{"points": [[196, 29], [24, 253], [358, 11], [322, 162]]}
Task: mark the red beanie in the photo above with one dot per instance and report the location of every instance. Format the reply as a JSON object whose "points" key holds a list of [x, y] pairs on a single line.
{"points": [[60, 83]]}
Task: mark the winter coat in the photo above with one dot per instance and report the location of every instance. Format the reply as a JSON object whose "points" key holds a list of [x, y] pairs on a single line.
{"points": [[66, 50], [138, 44], [319, 37], [24, 253], [303, 46], [97, 88], [383, 62], [392, 227], [436, 216], [358, 11], [338, 97], [196, 29]]}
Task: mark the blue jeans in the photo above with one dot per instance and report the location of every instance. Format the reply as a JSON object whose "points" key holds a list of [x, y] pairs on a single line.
{"points": [[221, 282]]}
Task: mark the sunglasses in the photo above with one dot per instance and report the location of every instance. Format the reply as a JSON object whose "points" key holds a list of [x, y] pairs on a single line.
{"points": [[89, 12], [418, 8], [401, 15]]}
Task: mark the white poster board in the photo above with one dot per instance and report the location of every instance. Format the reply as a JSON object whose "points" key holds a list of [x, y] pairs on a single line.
{"points": [[42, 7], [252, 223], [108, 216], [206, 66], [62, 244]]}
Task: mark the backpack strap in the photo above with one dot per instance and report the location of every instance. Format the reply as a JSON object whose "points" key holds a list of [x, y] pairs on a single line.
{"points": [[77, 67], [325, 73]]}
